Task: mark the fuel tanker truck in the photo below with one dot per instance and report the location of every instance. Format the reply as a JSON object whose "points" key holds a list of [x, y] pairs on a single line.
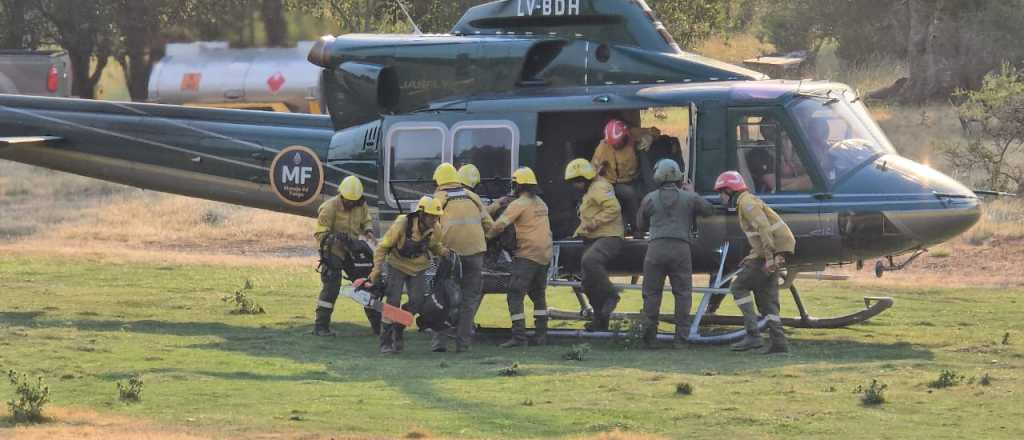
{"points": [[211, 74]]}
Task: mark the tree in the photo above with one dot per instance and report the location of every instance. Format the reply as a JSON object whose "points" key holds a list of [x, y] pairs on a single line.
{"points": [[140, 26], [274, 24], [21, 27], [994, 117], [691, 21], [84, 28]]}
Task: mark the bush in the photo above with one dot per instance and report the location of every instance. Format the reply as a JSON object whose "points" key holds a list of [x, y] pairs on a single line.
{"points": [[132, 392], [985, 380], [29, 399], [684, 389], [995, 129], [577, 352], [244, 305], [947, 378], [873, 394]]}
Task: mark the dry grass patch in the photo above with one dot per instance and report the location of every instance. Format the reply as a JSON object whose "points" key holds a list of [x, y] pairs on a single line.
{"points": [[734, 48]]}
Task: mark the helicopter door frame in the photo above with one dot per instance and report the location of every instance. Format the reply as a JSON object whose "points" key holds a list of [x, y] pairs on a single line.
{"points": [[408, 125]]}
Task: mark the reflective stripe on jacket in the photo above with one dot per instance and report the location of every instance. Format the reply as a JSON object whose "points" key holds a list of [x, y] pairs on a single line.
{"points": [[465, 220]]}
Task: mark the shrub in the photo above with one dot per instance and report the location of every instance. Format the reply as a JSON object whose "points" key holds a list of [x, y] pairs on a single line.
{"points": [[244, 305], [947, 378], [684, 389], [985, 380], [30, 397], [577, 352], [132, 392], [873, 394]]}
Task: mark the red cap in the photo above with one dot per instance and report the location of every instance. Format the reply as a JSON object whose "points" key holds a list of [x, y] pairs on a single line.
{"points": [[615, 132], [731, 180]]}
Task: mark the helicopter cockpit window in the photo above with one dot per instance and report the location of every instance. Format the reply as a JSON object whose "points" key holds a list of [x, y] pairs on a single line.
{"points": [[840, 134], [767, 157], [413, 153], [491, 146]]}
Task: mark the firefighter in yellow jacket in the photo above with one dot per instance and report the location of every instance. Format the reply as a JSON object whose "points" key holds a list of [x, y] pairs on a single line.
{"points": [[405, 249], [341, 220], [771, 244], [532, 256], [463, 225], [602, 233]]}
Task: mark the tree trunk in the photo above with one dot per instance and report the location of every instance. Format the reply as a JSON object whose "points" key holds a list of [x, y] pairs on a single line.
{"points": [[14, 33], [83, 77], [274, 23], [934, 50]]}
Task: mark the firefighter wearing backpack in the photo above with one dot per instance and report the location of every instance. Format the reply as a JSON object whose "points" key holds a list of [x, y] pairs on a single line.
{"points": [[771, 244], [341, 220], [532, 256], [406, 249], [463, 225]]}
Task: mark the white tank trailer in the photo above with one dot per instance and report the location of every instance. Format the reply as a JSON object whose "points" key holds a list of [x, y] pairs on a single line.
{"points": [[211, 74]]}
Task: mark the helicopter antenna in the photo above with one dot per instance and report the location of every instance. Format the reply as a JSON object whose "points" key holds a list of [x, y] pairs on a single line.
{"points": [[415, 29]]}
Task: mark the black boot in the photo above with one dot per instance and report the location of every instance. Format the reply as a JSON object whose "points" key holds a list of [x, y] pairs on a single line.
{"points": [[399, 338], [753, 338], [518, 335], [540, 337], [322, 325], [373, 317], [387, 339]]}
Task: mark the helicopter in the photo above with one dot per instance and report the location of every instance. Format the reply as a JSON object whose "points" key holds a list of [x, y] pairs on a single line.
{"points": [[532, 83]]}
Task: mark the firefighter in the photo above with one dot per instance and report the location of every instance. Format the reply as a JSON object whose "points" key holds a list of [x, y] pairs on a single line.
{"points": [[405, 248], [616, 159], [771, 244], [341, 220], [602, 233], [463, 225], [669, 213], [532, 256]]}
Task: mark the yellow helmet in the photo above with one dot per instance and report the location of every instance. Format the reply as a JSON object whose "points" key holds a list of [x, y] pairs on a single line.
{"points": [[351, 188], [429, 205], [470, 175], [445, 174], [524, 176], [580, 168]]}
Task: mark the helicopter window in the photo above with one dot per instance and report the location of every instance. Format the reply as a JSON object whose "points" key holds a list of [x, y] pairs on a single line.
{"points": [[840, 135], [491, 146], [767, 157], [414, 151]]}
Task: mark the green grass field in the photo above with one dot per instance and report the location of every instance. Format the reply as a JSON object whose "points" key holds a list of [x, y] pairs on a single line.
{"points": [[84, 325]]}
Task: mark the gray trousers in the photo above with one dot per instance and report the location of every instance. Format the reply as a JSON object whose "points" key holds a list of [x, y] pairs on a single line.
{"points": [[668, 257], [471, 284], [528, 279], [629, 198], [753, 278], [414, 285], [596, 283]]}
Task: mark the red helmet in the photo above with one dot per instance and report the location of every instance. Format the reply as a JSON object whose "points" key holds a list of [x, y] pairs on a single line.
{"points": [[615, 132], [730, 180]]}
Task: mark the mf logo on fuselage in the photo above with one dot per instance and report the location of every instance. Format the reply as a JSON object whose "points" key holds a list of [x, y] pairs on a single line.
{"points": [[548, 7], [297, 175]]}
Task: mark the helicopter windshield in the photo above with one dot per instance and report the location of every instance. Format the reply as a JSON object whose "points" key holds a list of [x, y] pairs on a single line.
{"points": [[839, 132]]}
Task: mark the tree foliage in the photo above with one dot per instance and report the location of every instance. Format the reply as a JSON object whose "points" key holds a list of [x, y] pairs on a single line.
{"points": [[994, 117]]}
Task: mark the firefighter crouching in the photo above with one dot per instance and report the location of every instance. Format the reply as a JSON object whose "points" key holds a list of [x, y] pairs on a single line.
{"points": [[404, 248], [669, 213], [603, 235], [463, 224], [616, 158], [771, 243], [532, 256], [340, 223]]}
